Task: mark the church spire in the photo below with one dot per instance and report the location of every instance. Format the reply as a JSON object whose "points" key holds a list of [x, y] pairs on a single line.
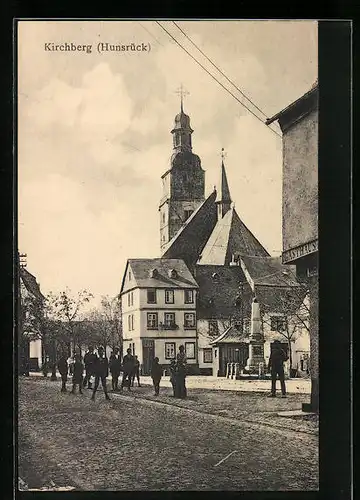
{"points": [[223, 198], [182, 130]]}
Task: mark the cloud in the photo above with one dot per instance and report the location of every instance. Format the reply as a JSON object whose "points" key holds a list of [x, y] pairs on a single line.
{"points": [[94, 138]]}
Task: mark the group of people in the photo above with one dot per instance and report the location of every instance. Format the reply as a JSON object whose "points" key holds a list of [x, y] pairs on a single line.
{"points": [[98, 366]]}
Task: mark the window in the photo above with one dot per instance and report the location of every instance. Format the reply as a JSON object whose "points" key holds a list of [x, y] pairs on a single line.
{"points": [[152, 320], [163, 217], [131, 322], [128, 299], [189, 320], [187, 213], [151, 296], [169, 350], [169, 319], [169, 296], [189, 297], [277, 324], [213, 328], [129, 275], [208, 356], [172, 273], [190, 350]]}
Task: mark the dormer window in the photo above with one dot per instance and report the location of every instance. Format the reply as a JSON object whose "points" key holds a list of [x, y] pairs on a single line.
{"points": [[173, 273], [215, 276], [154, 273]]}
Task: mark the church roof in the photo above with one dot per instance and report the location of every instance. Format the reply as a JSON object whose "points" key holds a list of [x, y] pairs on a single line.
{"points": [[31, 284], [189, 241], [230, 336], [142, 269], [269, 271], [229, 236], [223, 193], [219, 292]]}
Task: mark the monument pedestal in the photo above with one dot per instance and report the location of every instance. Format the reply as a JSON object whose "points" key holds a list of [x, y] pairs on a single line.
{"points": [[256, 347], [256, 356]]}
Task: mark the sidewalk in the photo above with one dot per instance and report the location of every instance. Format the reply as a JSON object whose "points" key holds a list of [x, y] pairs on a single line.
{"points": [[293, 386]]}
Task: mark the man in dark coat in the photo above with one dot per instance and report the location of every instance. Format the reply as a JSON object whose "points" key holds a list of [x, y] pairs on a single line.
{"points": [[63, 370], [136, 372], [115, 367], [156, 374], [78, 370], [172, 369], [101, 371], [128, 368], [89, 361], [276, 366], [180, 387]]}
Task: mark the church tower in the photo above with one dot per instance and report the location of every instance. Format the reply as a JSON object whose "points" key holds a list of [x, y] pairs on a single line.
{"points": [[184, 182]]}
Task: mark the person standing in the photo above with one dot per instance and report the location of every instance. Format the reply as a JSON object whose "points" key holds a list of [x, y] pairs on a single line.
{"points": [[156, 374], [180, 388], [128, 368], [89, 361], [101, 371], [172, 369], [115, 368], [63, 370], [136, 372], [70, 362], [78, 370], [276, 366]]}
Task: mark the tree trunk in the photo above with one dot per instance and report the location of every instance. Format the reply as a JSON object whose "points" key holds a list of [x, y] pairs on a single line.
{"points": [[290, 358]]}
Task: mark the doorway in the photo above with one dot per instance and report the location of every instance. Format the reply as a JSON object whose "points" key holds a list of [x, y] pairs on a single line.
{"points": [[148, 355]]}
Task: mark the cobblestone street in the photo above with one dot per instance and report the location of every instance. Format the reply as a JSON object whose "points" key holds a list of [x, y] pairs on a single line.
{"points": [[133, 443]]}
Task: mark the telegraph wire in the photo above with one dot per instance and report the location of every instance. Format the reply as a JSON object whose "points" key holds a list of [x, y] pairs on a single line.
{"points": [[214, 78], [149, 32], [219, 70]]}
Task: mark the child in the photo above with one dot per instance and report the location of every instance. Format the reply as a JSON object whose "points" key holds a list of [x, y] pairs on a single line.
{"points": [[173, 374], [156, 374], [78, 369]]}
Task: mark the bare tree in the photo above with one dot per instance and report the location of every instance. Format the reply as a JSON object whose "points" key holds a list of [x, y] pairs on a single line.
{"points": [[68, 310], [292, 314], [104, 323]]}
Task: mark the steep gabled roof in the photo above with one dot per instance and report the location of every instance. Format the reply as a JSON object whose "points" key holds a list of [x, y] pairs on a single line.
{"points": [[31, 284], [142, 268], [220, 289], [189, 241], [230, 336], [230, 236], [269, 271]]}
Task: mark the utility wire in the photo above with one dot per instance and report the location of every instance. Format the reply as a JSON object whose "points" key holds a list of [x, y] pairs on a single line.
{"points": [[153, 36], [219, 70], [214, 78]]}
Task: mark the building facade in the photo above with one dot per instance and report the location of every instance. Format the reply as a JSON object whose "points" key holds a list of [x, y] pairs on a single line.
{"points": [[31, 312], [159, 311], [299, 124]]}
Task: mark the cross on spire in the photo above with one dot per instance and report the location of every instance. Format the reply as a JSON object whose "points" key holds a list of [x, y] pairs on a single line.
{"points": [[182, 92], [223, 154]]}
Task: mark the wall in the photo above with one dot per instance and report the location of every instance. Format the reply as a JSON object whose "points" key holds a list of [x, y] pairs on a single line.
{"points": [[36, 350], [300, 182], [204, 339]]}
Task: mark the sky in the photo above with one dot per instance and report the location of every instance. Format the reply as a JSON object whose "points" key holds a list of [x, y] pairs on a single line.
{"points": [[94, 135]]}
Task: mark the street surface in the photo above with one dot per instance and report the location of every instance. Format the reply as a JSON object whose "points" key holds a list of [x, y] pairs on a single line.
{"points": [[136, 443]]}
